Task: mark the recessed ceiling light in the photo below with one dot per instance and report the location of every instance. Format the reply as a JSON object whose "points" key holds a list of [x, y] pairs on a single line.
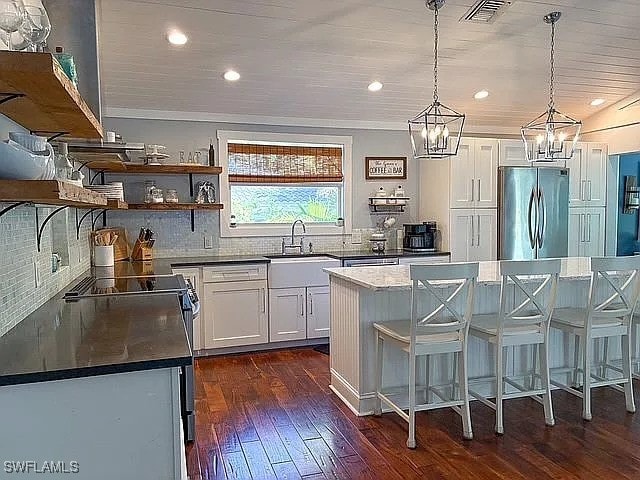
{"points": [[597, 102], [375, 86], [482, 94], [176, 37], [231, 75]]}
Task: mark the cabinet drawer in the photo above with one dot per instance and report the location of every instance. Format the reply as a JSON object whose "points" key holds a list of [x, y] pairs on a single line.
{"points": [[234, 273]]}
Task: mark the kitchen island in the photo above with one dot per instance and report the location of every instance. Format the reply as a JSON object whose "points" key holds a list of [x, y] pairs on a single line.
{"points": [[361, 296], [95, 382]]}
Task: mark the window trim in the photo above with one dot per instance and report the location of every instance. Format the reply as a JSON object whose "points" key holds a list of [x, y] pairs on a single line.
{"points": [[279, 230]]}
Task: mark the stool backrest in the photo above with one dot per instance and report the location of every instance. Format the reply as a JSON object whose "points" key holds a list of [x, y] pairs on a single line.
{"points": [[536, 282], [456, 307], [615, 287]]}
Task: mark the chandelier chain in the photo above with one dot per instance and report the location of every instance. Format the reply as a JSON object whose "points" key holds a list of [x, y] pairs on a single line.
{"points": [[435, 56], [553, 71]]}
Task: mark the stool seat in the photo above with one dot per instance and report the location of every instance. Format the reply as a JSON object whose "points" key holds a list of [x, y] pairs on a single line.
{"points": [[488, 324], [400, 330], [577, 317]]}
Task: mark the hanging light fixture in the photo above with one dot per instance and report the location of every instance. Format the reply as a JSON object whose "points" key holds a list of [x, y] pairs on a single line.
{"points": [[436, 131], [553, 135]]}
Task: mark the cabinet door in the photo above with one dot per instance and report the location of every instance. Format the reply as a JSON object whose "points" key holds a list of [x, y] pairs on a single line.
{"points": [[486, 173], [577, 183], [235, 314], [485, 246], [287, 318], [595, 175], [594, 232], [462, 180], [576, 232], [193, 275], [318, 313], [512, 153], [462, 234]]}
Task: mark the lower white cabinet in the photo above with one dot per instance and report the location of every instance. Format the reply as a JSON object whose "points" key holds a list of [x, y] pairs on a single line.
{"points": [[194, 276], [473, 235], [428, 260], [235, 314], [287, 313], [298, 313], [586, 232], [318, 316]]}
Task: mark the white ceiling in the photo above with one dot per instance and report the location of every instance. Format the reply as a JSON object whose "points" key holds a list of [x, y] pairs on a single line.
{"points": [[313, 59]]}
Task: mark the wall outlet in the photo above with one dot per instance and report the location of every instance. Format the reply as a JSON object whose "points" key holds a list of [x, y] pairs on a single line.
{"points": [[208, 241], [356, 237]]}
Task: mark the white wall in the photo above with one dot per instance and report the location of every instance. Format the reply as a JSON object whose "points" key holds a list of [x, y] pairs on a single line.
{"points": [[617, 125], [174, 228]]}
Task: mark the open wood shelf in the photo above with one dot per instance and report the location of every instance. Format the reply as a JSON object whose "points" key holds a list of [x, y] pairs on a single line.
{"points": [[175, 206], [107, 165], [50, 103], [113, 204], [50, 192]]}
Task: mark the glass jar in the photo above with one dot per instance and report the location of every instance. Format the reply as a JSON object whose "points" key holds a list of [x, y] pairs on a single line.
{"points": [[171, 196], [157, 195], [149, 187]]}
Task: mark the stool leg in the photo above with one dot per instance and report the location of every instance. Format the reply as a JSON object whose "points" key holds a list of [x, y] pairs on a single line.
{"points": [[463, 380], [626, 368], [499, 387], [576, 361], [411, 441], [586, 376], [379, 350], [546, 383], [427, 369]]}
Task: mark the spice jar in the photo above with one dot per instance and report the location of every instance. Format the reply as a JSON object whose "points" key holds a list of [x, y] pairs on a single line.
{"points": [[171, 196], [157, 195]]}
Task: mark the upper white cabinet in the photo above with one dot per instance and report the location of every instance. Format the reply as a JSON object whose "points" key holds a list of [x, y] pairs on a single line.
{"points": [[473, 174], [473, 235], [588, 175], [512, 154]]}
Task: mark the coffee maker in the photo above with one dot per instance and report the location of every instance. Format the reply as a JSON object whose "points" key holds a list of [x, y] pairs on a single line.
{"points": [[419, 237]]}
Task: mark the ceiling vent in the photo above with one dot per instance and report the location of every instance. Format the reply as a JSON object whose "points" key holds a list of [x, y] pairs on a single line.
{"points": [[486, 11]]}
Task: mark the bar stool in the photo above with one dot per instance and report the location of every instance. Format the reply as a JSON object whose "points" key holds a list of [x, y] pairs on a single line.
{"points": [[520, 324], [444, 329], [613, 293]]}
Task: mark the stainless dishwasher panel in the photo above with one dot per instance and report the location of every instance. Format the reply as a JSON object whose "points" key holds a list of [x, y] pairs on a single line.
{"points": [[369, 262]]}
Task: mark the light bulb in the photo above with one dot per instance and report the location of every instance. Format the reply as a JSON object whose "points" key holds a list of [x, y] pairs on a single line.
{"points": [[433, 136], [562, 137], [437, 130], [445, 132], [424, 132], [540, 139], [552, 137]]}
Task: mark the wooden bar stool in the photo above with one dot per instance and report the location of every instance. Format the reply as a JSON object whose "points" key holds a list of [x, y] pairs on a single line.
{"points": [[444, 329], [520, 323], [613, 293]]}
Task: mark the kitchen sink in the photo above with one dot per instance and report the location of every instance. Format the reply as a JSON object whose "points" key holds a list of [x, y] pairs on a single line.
{"points": [[300, 271]]}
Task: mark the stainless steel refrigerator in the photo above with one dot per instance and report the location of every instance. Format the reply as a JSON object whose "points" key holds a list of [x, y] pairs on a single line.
{"points": [[533, 212]]}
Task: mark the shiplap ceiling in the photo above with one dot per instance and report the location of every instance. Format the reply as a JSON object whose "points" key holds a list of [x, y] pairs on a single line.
{"points": [[313, 59]]}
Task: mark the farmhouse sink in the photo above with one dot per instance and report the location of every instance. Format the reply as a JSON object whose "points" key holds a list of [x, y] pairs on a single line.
{"points": [[301, 271]]}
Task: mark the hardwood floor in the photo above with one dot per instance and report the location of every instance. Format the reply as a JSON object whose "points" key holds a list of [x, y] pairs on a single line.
{"points": [[272, 416]]}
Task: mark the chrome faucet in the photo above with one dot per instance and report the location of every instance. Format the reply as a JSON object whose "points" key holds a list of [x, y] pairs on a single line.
{"points": [[292, 246], [293, 228]]}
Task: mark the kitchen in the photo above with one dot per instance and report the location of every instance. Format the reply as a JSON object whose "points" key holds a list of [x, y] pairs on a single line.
{"points": [[266, 207]]}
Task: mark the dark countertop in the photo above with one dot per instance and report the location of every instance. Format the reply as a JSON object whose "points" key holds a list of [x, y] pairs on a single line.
{"points": [[95, 336], [350, 255]]}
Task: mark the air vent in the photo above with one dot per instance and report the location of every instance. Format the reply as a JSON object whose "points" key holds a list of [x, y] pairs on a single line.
{"points": [[486, 11]]}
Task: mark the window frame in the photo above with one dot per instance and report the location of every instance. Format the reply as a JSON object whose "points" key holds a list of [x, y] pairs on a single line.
{"points": [[279, 230]]}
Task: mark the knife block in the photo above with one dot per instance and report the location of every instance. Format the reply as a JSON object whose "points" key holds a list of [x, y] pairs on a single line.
{"points": [[142, 252]]}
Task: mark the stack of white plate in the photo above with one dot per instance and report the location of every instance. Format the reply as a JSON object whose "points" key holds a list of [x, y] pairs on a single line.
{"points": [[113, 190]]}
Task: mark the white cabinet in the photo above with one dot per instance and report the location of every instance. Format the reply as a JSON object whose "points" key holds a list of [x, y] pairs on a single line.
{"points": [[473, 234], [298, 313], [586, 232], [473, 174], [588, 175], [235, 309], [194, 276], [287, 314], [318, 316], [425, 260], [512, 154]]}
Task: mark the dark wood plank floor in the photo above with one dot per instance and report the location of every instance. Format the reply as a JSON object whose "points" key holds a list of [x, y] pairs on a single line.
{"points": [[272, 416]]}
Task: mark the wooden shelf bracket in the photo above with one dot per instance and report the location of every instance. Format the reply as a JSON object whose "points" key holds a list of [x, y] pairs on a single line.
{"points": [[11, 207], [7, 97]]}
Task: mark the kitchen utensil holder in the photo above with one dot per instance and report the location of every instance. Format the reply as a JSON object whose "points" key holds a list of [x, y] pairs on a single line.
{"points": [[142, 252], [103, 255]]}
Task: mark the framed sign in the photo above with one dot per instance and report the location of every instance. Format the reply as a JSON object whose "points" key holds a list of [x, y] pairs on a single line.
{"points": [[385, 168]]}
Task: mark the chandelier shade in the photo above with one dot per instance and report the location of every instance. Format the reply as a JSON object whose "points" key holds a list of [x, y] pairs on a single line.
{"points": [[436, 131], [552, 136]]}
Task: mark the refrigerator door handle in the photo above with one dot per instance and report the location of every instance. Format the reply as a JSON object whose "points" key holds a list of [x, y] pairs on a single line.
{"points": [[532, 239], [542, 217]]}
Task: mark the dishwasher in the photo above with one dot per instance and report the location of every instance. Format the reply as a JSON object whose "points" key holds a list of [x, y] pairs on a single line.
{"points": [[369, 262]]}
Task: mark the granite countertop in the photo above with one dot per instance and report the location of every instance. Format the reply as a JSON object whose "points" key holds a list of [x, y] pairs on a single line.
{"points": [[95, 336], [396, 277]]}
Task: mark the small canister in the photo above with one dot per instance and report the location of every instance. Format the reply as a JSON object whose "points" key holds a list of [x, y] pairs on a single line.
{"points": [[103, 256]]}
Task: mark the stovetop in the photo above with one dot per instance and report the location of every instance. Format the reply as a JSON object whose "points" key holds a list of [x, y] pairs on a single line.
{"points": [[92, 286]]}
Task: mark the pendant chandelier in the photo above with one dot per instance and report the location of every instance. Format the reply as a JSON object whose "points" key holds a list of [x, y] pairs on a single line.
{"points": [[552, 136], [436, 131]]}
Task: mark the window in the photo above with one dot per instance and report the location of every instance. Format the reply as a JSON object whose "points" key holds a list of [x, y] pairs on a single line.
{"points": [[270, 180]]}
